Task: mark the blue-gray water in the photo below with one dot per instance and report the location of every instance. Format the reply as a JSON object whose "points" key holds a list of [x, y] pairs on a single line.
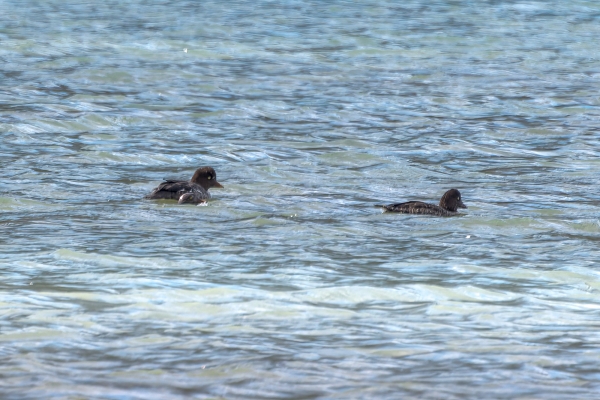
{"points": [[290, 284]]}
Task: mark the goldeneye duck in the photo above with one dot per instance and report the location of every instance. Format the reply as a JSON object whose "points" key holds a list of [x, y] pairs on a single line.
{"points": [[449, 203], [204, 178]]}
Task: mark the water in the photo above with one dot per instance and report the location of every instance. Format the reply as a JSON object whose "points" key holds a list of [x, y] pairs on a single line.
{"points": [[290, 284]]}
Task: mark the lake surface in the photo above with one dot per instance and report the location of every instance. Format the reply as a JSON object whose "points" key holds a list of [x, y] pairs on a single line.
{"points": [[290, 283]]}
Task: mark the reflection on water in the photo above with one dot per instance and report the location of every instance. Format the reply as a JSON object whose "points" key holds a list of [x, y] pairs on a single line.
{"points": [[290, 283]]}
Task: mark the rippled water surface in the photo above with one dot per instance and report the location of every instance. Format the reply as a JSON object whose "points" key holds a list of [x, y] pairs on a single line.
{"points": [[290, 283]]}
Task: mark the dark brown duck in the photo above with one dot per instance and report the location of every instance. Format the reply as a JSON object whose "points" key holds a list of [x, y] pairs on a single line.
{"points": [[449, 203], [204, 178]]}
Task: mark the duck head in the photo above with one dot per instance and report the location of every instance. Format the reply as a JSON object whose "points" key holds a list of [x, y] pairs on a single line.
{"points": [[206, 177], [452, 201]]}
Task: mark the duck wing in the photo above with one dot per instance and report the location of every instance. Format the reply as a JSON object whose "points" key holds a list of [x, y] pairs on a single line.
{"points": [[417, 207], [174, 189]]}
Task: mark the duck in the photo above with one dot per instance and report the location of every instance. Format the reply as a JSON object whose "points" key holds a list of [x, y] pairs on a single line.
{"points": [[193, 191], [450, 202]]}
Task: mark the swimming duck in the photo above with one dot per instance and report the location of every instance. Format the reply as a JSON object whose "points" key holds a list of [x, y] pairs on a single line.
{"points": [[450, 202], [204, 178]]}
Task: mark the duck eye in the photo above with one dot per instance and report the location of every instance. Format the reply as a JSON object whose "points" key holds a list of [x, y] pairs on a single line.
{"points": [[209, 177]]}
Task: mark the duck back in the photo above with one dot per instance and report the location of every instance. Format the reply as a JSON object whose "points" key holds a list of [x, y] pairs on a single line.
{"points": [[418, 207], [174, 189]]}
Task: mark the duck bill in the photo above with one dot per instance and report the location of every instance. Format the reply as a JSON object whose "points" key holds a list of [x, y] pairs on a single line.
{"points": [[461, 204], [218, 185]]}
